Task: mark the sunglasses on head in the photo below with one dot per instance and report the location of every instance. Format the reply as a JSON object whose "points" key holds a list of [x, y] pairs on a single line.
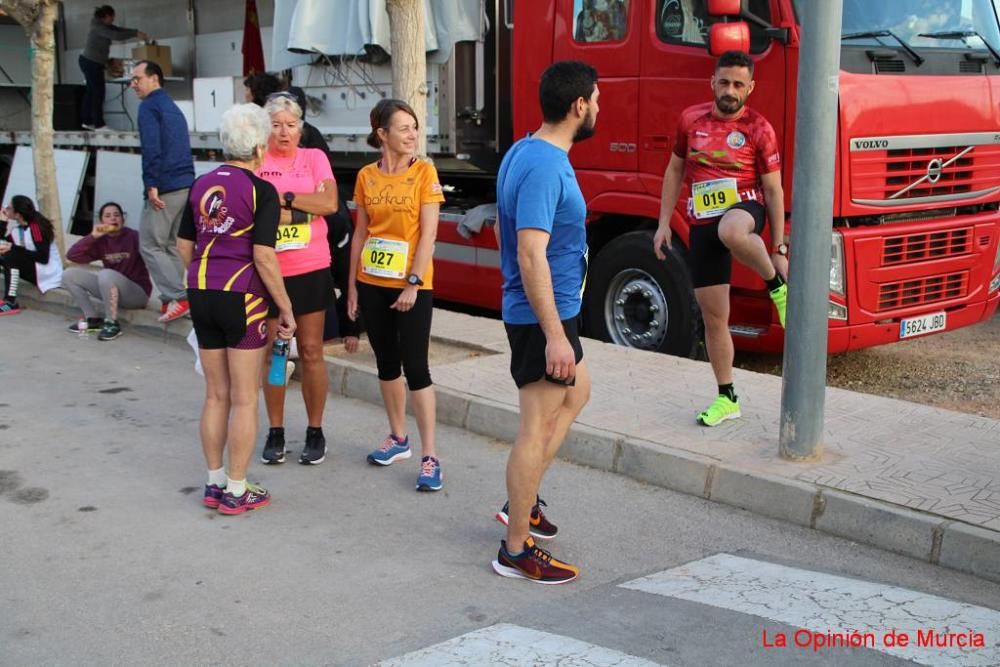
{"points": [[282, 95]]}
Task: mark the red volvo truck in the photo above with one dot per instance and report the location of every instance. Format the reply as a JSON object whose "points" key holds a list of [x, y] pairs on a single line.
{"points": [[916, 227]]}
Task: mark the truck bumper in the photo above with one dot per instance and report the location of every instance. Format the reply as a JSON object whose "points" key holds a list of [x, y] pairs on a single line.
{"points": [[843, 337]]}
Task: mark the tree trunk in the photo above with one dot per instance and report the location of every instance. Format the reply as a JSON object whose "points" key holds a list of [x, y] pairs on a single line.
{"points": [[39, 19], [43, 68], [409, 60]]}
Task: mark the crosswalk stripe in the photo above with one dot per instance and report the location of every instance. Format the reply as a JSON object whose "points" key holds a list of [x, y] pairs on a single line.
{"points": [[829, 609], [505, 644]]}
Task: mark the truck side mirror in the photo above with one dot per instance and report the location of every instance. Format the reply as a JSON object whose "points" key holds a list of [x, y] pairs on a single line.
{"points": [[725, 7], [724, 37]]}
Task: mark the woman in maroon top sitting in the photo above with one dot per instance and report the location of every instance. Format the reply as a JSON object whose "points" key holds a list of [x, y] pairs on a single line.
{"points": [[122, 283]]}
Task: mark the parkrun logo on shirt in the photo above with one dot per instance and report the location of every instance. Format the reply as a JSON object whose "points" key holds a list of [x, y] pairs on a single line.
{"points": [[386, 198]]}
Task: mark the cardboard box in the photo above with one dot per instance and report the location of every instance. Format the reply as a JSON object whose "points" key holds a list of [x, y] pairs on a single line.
{"points": [[156, 53]]}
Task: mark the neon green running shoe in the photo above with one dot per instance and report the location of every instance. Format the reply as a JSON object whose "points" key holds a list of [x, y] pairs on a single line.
{"points": [[719, 411], [780, 298]]}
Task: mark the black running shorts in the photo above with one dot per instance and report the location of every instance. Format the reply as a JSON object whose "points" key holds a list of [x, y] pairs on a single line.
{"points": [[228, 319], [308, 292], [527, 351], [709, 259]]}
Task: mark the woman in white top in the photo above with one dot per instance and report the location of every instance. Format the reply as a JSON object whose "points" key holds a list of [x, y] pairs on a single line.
{"points": [[27, 252]]}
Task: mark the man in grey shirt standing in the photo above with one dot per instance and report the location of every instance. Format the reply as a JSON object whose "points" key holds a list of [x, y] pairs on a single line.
{"points": [[94, 59], [167, 174]]}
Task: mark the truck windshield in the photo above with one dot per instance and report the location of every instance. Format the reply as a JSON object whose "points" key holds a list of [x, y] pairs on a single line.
{"points": [[923, 24]]}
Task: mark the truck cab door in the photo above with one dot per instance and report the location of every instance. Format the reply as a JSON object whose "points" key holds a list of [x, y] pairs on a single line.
{"points": [[605, 34]]}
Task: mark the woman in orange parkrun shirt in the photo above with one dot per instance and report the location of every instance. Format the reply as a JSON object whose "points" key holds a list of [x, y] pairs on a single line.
{"points": [[307, 190], [398, 200]]}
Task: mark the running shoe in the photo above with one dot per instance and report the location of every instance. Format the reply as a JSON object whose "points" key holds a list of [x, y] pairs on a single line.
{"points": [[392, 450], [213, 496], [254, 497], [719, 411], [90, 325], [110, 331], [430, 474], [538, 525], [274, 447], [534, 564], [314, 452], [175, 310], [9, 308], [779, 296]]}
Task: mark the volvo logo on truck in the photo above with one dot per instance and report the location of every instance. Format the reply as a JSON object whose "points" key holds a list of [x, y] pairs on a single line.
{"points": [[869, 144]]}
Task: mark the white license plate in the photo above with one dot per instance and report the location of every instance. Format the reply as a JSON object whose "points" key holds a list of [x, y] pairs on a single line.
{"points": [[918, 326]]}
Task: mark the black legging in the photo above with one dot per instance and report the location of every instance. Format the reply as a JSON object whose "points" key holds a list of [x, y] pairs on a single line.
{"points": [[92, 111], [398, 339], [17, 259]]}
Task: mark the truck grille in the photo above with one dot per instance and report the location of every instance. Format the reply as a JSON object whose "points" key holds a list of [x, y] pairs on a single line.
{"points": [[919, 291], [898, 176], [907, 165], [910, 248]]}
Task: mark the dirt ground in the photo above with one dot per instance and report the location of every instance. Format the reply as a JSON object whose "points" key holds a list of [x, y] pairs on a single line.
{"points": [[958, 370]]}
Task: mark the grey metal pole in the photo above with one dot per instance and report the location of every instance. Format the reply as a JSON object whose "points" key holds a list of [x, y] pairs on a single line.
{"points": [[803, 389]]}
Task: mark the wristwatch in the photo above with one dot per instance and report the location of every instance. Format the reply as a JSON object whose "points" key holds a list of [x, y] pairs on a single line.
{"points": [[289, 197], [414, 279], [782, 249]]}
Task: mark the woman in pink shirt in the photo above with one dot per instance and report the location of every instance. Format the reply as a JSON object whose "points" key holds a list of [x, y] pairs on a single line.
{"points": [[308, 191]]}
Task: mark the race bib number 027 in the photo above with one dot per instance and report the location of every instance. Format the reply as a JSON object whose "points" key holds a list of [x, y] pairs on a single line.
{"points": [[385, 258], [713, 198]]}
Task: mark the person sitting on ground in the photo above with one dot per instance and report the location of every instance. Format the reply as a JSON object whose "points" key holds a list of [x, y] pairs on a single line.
{"points": [[122, 283], [28, 252]]}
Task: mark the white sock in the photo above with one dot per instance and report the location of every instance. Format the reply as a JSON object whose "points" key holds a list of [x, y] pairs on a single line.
{"points": [[217, 477], [236, 487]]}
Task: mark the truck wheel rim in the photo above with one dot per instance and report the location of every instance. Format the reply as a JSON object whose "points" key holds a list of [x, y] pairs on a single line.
{"points": [[635, 310]]}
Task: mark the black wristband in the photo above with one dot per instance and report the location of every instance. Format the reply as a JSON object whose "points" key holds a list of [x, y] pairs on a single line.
{"points": [[298, 217]]}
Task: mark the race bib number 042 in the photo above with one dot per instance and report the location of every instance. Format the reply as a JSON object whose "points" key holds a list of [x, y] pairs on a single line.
{"points": [[293, 237], [713, 198], [385, 258]]}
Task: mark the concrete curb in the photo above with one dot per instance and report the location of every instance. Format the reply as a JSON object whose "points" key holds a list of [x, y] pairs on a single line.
{"points": [[927, 537]]}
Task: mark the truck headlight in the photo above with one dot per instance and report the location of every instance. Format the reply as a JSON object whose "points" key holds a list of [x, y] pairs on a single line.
{"points": [[995, 283], [837, 264]]}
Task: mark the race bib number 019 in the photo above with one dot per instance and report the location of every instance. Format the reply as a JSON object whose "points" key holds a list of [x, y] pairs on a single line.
{"points": [[293, 237], [713, 198], [385, 258]]}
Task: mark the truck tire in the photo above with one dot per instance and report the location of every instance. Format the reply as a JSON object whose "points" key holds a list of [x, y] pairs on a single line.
{"points": [[634, 299]]}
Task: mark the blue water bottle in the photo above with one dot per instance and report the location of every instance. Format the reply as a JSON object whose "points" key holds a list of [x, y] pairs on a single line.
{"points": [[279, 357]]}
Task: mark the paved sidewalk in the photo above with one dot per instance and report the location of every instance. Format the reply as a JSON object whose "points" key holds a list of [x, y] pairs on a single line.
{"points": [[916, 480]]}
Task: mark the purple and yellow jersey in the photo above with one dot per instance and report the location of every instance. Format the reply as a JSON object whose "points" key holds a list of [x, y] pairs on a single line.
{"points": [[229, 211]]}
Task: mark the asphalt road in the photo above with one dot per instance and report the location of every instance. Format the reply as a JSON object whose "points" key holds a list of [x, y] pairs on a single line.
{"points": [[109, 558]]}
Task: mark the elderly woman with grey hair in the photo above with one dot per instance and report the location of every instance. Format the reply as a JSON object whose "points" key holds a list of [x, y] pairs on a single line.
{"points": [[308, 192], [226, 241]]}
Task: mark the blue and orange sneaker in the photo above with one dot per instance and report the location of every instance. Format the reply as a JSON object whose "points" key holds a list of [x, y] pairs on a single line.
{"points": [[393, 449], [539, 526], [9, 308], [213, 496], [430, 474], [254, 497]]}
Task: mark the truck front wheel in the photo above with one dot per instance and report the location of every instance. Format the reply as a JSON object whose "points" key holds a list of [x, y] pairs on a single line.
{"points": [[634, 299]]}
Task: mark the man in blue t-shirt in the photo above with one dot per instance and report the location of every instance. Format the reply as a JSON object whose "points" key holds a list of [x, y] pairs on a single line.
{"points": [[543, 254]]}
